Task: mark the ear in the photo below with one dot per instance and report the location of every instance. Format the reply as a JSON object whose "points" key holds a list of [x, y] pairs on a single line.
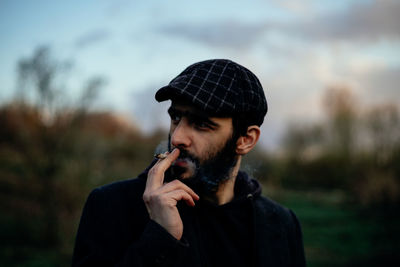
{"points": [[246, 143]]}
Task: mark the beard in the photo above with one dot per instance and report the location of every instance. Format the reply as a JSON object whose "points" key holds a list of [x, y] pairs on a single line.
{"points": [[209, 173]]}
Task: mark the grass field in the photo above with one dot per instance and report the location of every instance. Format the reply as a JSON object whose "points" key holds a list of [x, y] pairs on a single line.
{"points": [[336, 233], [339, 234]]}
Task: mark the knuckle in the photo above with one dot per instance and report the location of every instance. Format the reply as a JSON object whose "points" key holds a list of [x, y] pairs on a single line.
{"points": [[182, 192], [146, 197], [149, 197], [152, 171], [175, 182]]}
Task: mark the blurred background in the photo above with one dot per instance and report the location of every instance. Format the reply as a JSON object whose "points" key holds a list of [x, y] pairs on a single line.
{"points": [[77, 110]]}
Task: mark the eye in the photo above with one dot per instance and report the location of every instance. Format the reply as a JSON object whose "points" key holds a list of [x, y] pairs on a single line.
{"points": [[202, 125], [175, 117]]}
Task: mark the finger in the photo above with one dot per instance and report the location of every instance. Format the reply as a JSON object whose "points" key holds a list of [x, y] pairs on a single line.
{"points": [[155, 177], [164, 164], [178, 195], [161, 155], [178, 185]]}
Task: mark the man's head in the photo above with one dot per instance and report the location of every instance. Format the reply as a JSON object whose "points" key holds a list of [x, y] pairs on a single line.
{"points": [[217, 108]]}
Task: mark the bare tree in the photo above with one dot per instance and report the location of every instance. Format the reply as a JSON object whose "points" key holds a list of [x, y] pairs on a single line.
{"points": [[47, 125], [341, 109]]}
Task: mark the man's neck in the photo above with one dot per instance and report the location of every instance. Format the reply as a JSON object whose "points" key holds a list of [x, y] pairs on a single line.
{"points": [[226, 190]]}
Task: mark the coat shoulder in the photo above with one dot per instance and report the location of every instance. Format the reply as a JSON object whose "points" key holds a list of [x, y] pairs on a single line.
{"points": [[274, 209], [118, 196], [132, 186]]}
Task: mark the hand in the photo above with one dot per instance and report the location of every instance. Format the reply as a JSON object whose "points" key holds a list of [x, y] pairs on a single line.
{"points": [[161, 199]]}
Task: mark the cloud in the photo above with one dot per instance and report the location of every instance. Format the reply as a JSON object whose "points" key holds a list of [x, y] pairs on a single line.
{"points": [[228, 33], [92, 37], [148, 113], [382, 84], [118, 8], [360, 22]]}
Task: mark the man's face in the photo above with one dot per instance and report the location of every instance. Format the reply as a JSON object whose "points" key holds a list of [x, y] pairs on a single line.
{"points": [[206, 146]]}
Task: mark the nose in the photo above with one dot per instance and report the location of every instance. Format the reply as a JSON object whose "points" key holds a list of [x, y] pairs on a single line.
{"points": [[180, 135]]}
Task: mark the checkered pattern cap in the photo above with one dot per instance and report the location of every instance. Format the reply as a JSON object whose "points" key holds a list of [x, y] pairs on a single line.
{"points": [[219, 87]]}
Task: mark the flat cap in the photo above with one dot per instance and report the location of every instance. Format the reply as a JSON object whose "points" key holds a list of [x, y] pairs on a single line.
{"points": [[219, 87]]}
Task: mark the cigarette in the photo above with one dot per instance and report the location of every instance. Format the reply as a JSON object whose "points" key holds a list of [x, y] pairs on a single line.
{"points": [[161, 155]]}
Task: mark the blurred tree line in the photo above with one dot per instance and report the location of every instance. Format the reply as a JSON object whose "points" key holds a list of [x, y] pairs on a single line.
{"points": [[353, 149], [54, 151]]}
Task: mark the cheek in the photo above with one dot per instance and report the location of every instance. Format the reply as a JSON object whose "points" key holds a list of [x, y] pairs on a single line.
{"points": [[210, 150]]}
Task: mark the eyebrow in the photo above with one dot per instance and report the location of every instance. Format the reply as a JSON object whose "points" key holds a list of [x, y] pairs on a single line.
{"points": [[193, 116]]}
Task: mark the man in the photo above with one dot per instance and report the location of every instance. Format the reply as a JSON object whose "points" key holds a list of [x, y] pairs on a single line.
{"points": [[193, 206]]}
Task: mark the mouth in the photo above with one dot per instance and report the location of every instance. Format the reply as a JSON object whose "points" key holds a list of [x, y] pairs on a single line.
{"points": [[187, 167], [183, 163]]}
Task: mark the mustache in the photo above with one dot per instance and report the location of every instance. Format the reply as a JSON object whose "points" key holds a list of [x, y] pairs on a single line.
{"points": [[184, 154]]}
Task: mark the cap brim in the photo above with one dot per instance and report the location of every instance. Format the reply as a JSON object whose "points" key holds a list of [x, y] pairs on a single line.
{"points": [[164, 93]]}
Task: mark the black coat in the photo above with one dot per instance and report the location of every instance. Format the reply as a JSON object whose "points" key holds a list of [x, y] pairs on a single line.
{"points": [[115, 230]]}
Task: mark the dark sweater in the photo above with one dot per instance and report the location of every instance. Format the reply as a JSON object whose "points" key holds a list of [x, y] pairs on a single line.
{"points": [[226, 232]]}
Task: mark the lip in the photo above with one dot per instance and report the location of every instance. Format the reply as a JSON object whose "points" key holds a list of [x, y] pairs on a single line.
{"points": [[181, 163]]}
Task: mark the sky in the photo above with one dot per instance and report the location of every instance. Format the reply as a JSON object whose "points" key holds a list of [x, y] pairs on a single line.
{"points": [[297, 49]]}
